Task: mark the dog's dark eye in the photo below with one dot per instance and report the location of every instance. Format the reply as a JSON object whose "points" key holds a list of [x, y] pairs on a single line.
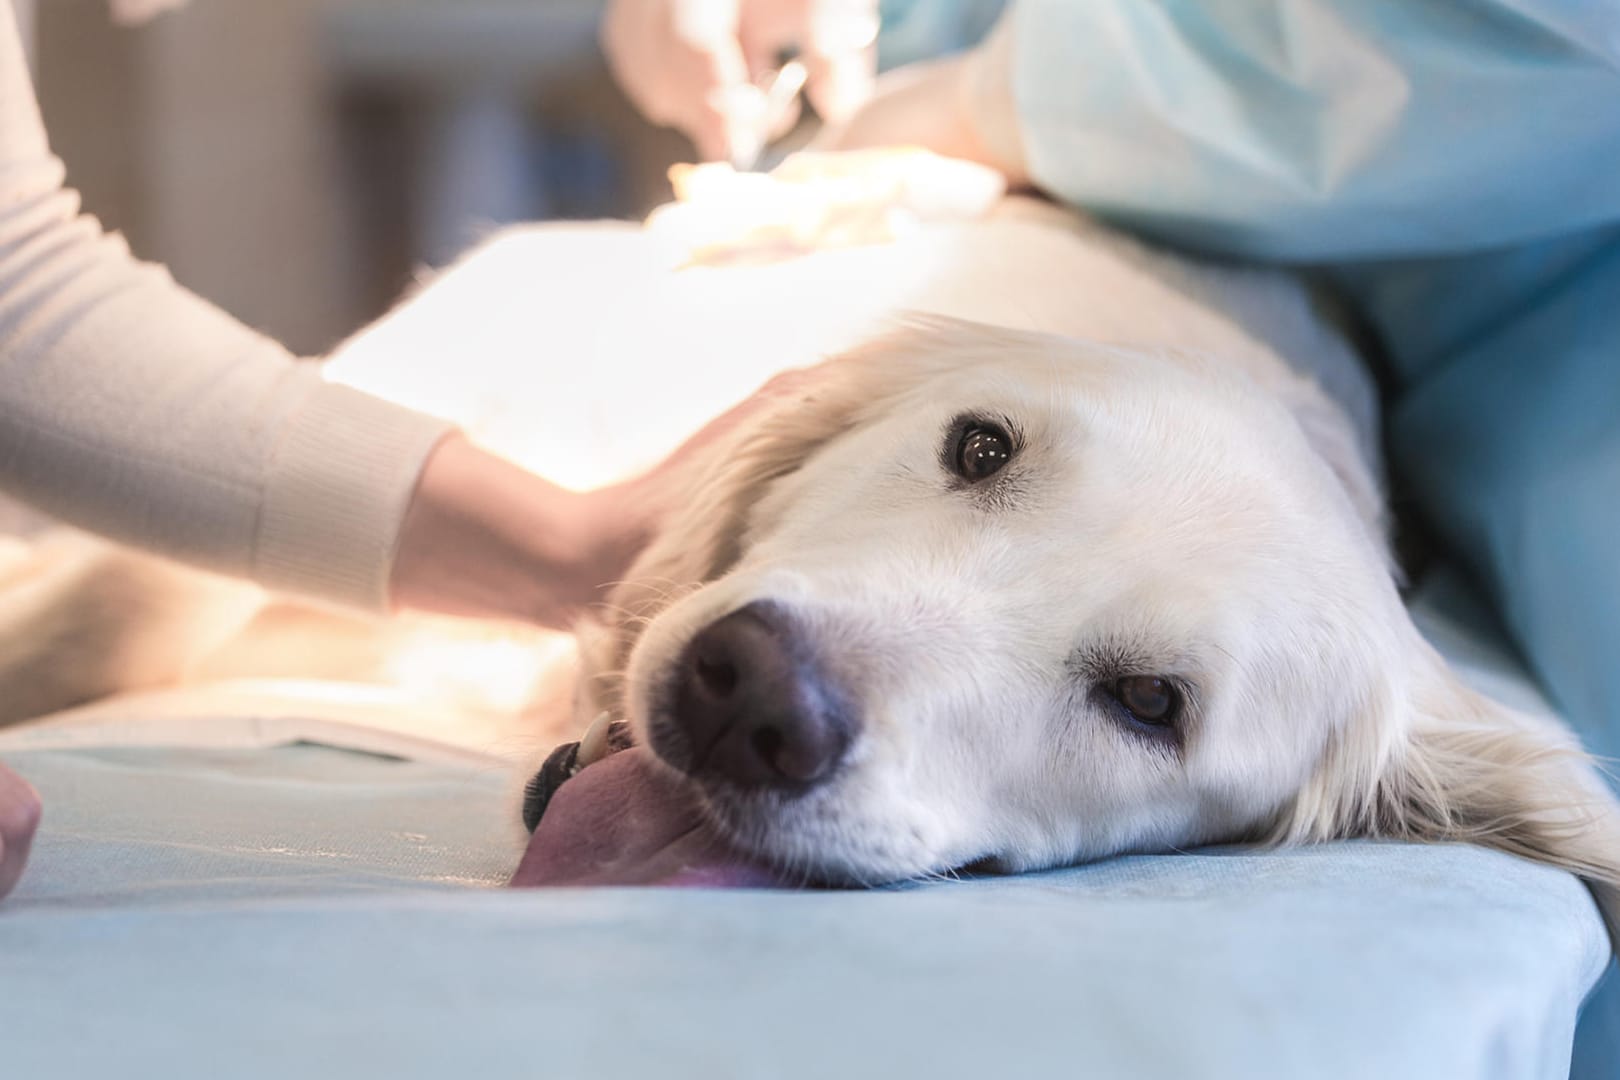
{"points": [[1148, 698], [981, 451]]}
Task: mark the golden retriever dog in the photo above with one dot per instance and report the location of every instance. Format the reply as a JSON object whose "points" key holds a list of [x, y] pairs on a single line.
{"points": [[1077, 549]]}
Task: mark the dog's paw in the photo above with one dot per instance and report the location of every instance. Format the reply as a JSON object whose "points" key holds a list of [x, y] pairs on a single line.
{"points": [[817, 201]]}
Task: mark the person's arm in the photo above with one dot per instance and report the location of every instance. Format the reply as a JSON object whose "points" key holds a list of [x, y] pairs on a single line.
{"points": [[133, 408], [1313, 130]]}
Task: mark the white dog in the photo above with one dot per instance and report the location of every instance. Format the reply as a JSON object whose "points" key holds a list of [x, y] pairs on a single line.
{"points": [[1084, 559]]}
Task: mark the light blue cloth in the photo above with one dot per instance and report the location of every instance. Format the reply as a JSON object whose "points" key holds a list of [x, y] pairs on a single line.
{"points": [[1455, 164], [131, 826], [305, 911], [1323, 130], [1349, 962]]}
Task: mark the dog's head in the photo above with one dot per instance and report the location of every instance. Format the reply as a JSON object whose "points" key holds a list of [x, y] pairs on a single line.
{"points": [[998, 597]]}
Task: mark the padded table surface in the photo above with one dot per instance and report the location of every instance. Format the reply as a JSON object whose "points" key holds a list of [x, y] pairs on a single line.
{"points": [[317, 911]]}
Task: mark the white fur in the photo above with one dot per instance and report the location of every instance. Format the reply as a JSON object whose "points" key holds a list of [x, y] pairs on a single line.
{"points": [[1185, 503], [1167, 515]]}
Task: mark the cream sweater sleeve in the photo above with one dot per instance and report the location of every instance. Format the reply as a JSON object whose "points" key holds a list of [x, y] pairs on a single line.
{"points": [[131, 407]]}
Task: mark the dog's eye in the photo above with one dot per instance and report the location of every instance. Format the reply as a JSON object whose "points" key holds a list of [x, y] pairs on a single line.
{"points": [[1148, 698], [981, 450]]}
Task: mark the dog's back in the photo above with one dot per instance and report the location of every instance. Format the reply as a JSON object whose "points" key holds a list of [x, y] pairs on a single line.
{"points": [[550, 372]]}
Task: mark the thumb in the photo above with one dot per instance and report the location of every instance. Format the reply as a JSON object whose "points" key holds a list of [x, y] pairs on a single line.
{"points": [[726, 115], [839, 53]]}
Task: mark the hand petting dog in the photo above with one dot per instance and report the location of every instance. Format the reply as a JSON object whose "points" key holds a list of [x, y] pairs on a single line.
{"points": [[486, 539]]}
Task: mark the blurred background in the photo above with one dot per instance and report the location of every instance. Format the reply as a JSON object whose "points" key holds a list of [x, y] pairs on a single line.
{"points": [[301, 162]]}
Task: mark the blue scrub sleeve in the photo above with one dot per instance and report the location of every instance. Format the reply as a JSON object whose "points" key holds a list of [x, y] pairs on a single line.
{"points": [[1324, 130]]}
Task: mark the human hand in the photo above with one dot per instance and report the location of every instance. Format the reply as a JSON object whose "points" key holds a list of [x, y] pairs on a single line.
{"points": [[625, 515], [484, 538], [694, 65], [19, 818], [959, 107]]}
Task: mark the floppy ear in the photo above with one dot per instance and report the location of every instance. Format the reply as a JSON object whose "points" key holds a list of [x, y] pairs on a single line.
{"points": [[1350, 453], [705, 535], [1333, 435], [1462, 768], [1476, 772]]}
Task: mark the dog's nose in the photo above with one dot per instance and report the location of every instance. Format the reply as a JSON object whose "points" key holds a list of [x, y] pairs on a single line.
{"points": [[755, 706]]}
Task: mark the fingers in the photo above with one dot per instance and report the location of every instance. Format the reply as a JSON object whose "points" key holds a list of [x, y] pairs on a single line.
{"points": [[735, 120], [834, 39], [681, 64], [696, 65], [839, 86], [709, 96], [839, 51], [20, 811]]}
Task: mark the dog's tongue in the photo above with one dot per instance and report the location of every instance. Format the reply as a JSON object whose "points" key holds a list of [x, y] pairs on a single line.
{"points": [[625, 820]]}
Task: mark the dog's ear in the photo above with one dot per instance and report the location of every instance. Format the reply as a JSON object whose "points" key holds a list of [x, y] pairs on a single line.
{"points": [[1350, 453], [1475, 771], [704, 536], [702, 539], [1333, 435], [1455, 766]]}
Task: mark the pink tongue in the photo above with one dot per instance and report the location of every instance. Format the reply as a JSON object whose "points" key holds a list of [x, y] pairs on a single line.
{"points": [[627, 821]]}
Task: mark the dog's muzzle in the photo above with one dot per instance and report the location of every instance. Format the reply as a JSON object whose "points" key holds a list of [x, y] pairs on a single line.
{"points": [[753, 708]]}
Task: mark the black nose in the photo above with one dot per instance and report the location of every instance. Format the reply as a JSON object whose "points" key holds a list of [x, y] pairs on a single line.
{"points": [[755, 707]]}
